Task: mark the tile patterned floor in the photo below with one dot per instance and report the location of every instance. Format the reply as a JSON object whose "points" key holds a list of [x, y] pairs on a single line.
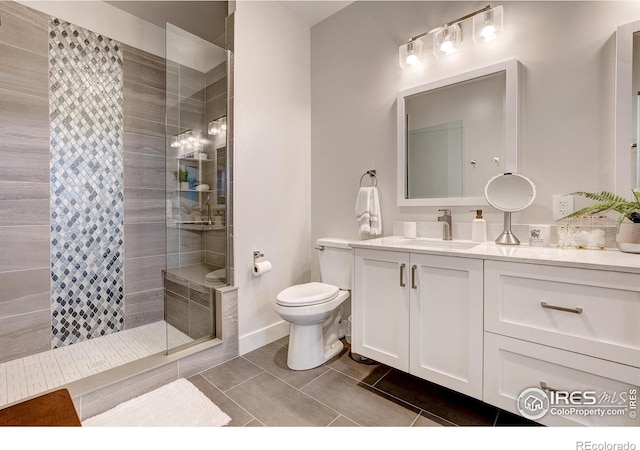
{"points": [[257, 389], [37, 373]]}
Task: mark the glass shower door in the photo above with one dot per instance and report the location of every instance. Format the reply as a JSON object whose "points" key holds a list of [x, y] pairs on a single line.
{"points": [[195, 186]]}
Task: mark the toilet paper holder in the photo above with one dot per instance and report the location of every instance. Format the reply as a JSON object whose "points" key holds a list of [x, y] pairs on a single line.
{"points": [[256, 255]]}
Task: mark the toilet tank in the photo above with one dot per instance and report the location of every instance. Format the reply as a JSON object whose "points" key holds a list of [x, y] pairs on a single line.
{"points": [[336, 261]]}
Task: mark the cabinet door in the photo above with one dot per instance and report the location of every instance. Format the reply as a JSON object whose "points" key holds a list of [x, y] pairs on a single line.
{"points": [[446, 322], [380, 318]]}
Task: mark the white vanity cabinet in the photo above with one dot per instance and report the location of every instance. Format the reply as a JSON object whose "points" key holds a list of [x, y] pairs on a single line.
{"points": [[562, 329], [421, 314]]}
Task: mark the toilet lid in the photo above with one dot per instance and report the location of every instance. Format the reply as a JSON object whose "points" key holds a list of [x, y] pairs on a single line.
{"points": [[307, 294]]}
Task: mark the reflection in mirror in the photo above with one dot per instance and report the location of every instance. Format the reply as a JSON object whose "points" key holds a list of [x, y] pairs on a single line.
{"points": [[627, 159], [434, 160], [455, 134], [635, 90]]}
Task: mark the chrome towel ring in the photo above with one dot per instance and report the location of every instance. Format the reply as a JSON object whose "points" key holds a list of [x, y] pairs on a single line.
{"points": [[372, 178]]}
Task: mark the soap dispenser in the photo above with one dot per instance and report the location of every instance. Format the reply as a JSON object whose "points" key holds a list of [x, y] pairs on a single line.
{"points": [[478, 227]]}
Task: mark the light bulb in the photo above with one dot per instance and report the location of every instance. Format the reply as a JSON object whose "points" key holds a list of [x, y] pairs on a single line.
{"points": [[223, 123], [447, 47], [487, 26], [411, 54], [174, 142], [447, 40], [412, 60], [488, 33]]}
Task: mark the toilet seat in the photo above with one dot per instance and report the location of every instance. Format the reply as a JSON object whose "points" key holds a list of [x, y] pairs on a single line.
{"points": [[307, 294]]}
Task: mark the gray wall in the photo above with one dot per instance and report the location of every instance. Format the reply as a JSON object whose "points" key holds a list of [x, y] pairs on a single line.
{"points": [[566, 50], [25, 292], [25, 296]]}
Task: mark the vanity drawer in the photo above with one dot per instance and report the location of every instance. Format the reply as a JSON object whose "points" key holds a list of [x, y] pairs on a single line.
{"points": [[512, 365], [598, 315]]}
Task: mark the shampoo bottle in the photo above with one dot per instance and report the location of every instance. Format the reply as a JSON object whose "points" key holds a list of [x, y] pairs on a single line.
{"points": [[478, 228]]}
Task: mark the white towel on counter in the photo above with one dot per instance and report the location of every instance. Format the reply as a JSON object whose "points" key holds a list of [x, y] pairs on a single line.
{"points": [[368, 211]]}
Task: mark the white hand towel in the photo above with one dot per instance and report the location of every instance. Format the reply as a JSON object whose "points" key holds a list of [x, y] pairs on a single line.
{"points": [[376, 218], [368, 211], [363, 214]]}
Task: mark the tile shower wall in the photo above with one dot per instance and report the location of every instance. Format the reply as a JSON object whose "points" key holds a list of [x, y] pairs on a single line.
{"points": [[215, 244], [25, 277], [85, 115], [25, 258], [144, 198], [195, 98]]}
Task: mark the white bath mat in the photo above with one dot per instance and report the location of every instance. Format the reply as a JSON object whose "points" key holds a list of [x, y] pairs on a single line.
{"points": [[176, 404]]}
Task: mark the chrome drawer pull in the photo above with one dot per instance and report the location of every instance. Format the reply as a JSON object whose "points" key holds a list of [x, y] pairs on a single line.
{"points": [[402, 283], [575, 396], [544, 387], [561, 308], [413, 277]]}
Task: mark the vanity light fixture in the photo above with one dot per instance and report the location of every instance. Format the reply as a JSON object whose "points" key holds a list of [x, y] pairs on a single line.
{"points": [[411, 54], [216, 127], [447, 40], [487, 25], [186, 138]]}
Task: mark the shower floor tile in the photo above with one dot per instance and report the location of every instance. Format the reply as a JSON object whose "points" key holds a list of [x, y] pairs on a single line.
{"points": [[38, 373]]}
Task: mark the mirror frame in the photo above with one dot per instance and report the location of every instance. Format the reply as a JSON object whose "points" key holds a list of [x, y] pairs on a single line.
{"points": [[623, 109], [512, 122]]}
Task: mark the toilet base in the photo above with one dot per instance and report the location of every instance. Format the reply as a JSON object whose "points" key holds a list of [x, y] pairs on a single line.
{"points": [[307, 348], [314, 332]]}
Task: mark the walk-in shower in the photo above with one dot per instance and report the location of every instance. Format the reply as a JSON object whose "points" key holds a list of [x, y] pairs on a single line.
{"points": [[196, 186], [106, 257]]}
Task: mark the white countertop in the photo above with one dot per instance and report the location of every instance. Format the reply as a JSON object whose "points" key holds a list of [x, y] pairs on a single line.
{"points": [[607, 259]]}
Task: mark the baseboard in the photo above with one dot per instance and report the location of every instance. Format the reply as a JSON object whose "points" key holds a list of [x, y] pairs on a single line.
{"points": [[264, 336]]}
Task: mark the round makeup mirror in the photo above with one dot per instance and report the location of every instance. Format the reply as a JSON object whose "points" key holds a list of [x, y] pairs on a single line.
{"points": [[509, 192]]}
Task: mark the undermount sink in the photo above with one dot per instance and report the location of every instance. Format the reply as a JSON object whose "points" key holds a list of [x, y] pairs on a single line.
{"points": [[438, 243]]}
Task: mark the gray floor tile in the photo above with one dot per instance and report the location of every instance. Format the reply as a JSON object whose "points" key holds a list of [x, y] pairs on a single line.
{"points": [[426, 420], [232, 373], [254, 423], [239, 417], [342, 421], [437, 400], [275, 403], [273, 358], [368, 374], [359, 402]]}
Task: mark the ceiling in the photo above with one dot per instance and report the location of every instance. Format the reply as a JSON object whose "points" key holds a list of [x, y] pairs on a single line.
{"points": [[313, 11], [205, 19]]}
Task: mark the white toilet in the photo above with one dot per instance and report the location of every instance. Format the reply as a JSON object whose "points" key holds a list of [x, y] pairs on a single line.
{"points": [[315, 309]]}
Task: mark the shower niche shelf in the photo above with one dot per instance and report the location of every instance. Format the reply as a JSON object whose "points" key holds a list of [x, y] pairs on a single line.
{"points": [[193, 209]]}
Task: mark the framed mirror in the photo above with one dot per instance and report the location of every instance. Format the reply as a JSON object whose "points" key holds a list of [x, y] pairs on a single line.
{"points": [[455, 134], [627, 160]]}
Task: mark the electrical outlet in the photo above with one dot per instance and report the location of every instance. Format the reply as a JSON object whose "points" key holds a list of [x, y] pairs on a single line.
{"points": [[562, 206]]}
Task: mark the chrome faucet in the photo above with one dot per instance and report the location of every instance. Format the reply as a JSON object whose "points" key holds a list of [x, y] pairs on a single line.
{"points": [[446, 227]]}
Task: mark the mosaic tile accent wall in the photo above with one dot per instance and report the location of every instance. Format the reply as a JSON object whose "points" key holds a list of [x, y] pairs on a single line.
{"points": [[86, 122]]}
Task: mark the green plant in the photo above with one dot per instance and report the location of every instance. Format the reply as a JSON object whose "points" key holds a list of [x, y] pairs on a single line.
{"points": [[627, 209], [181, 175]]}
